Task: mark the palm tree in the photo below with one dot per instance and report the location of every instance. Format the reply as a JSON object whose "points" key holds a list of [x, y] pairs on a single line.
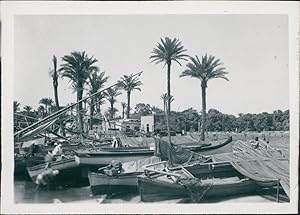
{"points": [[205, 69], [77, 67], [166, 51], [164, 97], [99, 101], [47, 102], [54, 75], [129, 83], [111, 94], [96, 82], [41, 110], [123, 104], [50, 105], [16, 106], [44, 101], [111, 112], [27, 108]]}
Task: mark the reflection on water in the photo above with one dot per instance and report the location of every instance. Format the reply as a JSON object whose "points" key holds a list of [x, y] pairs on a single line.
{"points": [[27, 192]]}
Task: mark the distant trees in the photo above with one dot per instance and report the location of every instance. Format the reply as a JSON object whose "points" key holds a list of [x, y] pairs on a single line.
{"points": [[129, 83], [167, 51], [190, 120], [47, 102], [16, 106], [164, 98], [205, 69], [27, 108]]}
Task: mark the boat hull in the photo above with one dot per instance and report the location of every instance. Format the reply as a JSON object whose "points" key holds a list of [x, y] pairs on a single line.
{"points": [[214, 179], [104, 157], [70, 173], [104, 160], [104, 184], [152, 190]]}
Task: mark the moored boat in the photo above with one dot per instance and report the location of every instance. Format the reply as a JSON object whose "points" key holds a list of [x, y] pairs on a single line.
{"points": [[104, 155], [195, 182], [106, 181], [70, 172]]}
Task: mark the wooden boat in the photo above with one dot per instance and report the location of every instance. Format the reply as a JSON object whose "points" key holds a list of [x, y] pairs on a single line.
{"points": [[102, 182], [104, 155], [21, 162], [195, 182], [69, 172]]}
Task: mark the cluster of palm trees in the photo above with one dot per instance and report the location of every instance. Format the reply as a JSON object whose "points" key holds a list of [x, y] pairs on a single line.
{"points": [[204, 68], [81, 70]]}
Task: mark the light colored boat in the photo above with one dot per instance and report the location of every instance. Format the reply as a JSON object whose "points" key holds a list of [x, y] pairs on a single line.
{"points": [[126, 180], [104, 155]]}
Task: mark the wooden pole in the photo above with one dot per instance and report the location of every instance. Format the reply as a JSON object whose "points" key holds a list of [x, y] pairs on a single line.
{"points": [[278, 184]]}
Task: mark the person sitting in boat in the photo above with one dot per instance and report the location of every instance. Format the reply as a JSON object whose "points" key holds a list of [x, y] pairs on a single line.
{"points": [[115, 142], [49, 157], [114, 168], [46, 176], [57, 151]]}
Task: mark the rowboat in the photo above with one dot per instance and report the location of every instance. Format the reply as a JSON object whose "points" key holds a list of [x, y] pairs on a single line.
{"points": [[102, 156], [21, 162], [68, 171], [101, 182], [196, 182]]}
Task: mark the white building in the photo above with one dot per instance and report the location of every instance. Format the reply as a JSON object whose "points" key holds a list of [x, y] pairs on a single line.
{"points": [[127, 124]]}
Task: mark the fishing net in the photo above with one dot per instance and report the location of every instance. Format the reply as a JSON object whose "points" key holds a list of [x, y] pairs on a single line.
{"points": [[177, 155], [195, 188], [262, 164]]}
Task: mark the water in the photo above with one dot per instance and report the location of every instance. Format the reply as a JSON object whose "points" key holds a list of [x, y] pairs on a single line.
{"points": [[26, 192]]}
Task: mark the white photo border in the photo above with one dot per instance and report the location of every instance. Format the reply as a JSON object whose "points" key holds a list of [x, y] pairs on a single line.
{"points": [[10, 9]]}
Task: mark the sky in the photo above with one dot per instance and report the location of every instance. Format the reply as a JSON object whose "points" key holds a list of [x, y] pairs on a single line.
{"points": [[253, 49]]}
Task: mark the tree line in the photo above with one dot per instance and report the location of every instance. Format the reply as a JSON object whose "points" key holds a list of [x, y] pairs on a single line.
{"points": [[190, 120]]}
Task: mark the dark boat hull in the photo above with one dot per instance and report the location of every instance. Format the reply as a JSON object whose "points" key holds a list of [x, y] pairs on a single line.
{"points": [[151, 190], [70, 173], [103, 184], [220, 179]]}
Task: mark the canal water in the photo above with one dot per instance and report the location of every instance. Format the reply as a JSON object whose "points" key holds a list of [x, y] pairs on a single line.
{"points": [[27, 192]]}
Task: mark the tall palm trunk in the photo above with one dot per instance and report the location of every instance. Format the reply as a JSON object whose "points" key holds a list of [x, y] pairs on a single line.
{"points": [[55, 86], [203, 126], [112, 110], [91, 113], [169, 89], [128, 104], [123, 113], [79, 108]]}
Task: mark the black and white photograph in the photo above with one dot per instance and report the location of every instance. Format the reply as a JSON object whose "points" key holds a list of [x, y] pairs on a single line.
{"points": [[137, 105]]}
